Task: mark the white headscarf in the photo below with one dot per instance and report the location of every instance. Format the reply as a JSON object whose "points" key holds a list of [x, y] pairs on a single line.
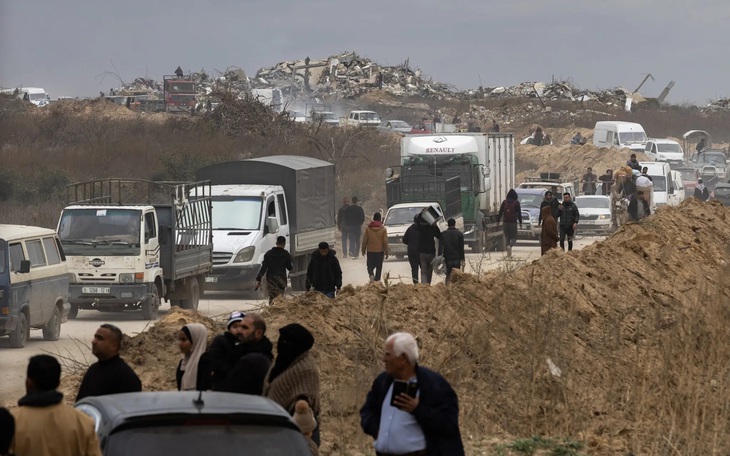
{"points": [[189, 365]]}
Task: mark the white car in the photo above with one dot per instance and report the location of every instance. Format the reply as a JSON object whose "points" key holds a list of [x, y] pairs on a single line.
{"points": [[297, 116], [595, 214], [398, 126], [325, 118], [664, 150]]}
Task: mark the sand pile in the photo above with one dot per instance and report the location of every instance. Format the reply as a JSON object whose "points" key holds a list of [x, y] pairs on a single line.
{"points": [[96, 107], [622, 346]]}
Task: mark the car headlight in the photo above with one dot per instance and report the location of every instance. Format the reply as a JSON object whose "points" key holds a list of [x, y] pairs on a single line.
{"points": [[126, 278], [602, 217], [245, 254]]}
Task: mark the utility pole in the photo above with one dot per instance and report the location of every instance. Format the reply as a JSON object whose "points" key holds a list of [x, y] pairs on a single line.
{"points": [[648, 75]]}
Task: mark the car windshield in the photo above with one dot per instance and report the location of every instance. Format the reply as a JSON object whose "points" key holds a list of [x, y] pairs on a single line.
{"points": [[529, 200], [688, 175], [399, 125], [369, 116], [192, 439], [237, 213], [596, 203], [722, 191], [327, 116], [632, 136], [103, 231], [716, 158], [402, 216], [660, 183], [37, 96], [669, 147]]}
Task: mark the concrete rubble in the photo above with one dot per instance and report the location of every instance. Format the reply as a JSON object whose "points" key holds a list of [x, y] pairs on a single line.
{"points": [[719, 105]]}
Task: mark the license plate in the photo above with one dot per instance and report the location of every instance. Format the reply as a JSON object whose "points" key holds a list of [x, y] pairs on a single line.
{"points": [[589, 222], [96, 290], [211, 279]]}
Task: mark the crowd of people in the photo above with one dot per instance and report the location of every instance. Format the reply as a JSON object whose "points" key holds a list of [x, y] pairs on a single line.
{"points": [[420, 419]]}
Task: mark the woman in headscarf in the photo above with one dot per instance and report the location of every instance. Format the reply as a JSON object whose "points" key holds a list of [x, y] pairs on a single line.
{"points": [[193, 373], [294, 375], [549, 236]]}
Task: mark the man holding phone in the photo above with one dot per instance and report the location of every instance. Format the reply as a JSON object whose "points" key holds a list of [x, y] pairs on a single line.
{"points": [[411, 410]]}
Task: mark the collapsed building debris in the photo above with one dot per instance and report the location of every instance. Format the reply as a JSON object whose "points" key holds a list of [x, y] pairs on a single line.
{"points": [[719, 105]]}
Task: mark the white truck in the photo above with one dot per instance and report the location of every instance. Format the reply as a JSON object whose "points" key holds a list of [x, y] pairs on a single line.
{"points": [[369, 119], [126, 256], [257, 200], [35, 95], [618, 134], [400, 216], [481, 166]]}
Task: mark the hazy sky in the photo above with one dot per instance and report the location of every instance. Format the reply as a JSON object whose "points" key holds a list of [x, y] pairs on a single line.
{"points": [[63, 45]]}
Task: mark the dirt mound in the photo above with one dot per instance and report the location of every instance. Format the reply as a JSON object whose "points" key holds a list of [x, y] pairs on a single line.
{"points": [[96, 107], [622, 346], [570, 160]]}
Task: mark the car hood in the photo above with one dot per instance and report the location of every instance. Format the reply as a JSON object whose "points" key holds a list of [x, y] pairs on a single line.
{"points": [[396, 230], [233, 240], [594, 211]]}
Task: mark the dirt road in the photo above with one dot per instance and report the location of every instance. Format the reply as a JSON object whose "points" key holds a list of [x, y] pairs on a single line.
{"points": [[76, 334]]}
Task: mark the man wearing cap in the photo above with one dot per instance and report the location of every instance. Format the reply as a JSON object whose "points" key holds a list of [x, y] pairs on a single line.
{"points": [[453, 241], [324, 273], [240, 357]]}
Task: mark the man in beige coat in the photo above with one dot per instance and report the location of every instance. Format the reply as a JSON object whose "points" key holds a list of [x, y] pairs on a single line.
{"points": [[44, 425], [375, 243]]}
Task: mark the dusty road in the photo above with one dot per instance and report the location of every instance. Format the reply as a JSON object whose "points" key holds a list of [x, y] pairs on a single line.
{"points": [[76, 334]]}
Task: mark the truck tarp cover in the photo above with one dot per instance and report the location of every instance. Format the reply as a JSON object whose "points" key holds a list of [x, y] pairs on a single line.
{"points": [[309, 185]]}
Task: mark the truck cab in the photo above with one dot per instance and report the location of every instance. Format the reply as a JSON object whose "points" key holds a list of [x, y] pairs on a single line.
{"points": [[247, 219]]}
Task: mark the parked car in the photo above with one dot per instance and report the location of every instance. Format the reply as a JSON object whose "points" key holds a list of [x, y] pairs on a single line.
{"points": [[395, 125], [325, 118], [722, 193], [689, 177], [712, 157], [664, 150], [297, 116], [192, 423], [530, 200], [363, 119], [595, 214]]}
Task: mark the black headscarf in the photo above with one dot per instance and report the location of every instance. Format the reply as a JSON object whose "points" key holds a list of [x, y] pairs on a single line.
{"points": [[512, 194], [7, 430], [294, 339]]}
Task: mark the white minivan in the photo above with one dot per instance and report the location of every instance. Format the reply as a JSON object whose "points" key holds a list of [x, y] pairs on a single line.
{"points": [[664, 150], [33, 283], [668, 185], [621, 135]]}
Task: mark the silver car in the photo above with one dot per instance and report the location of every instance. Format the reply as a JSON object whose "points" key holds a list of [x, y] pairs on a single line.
{"points": [[397, 126]]}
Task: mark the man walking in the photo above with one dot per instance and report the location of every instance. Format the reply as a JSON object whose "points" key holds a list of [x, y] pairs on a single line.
{"points": [[410, 238], [109, 375], [276, 262], [324, 273], [427, 234], [354, 218], [552, 202], [638, 207], [375, 243], [645, 184], [606, 182], [44, 424], [569, 216], [589, 182], [512, 213], [453, 241], [421, 420], [342, 224]]}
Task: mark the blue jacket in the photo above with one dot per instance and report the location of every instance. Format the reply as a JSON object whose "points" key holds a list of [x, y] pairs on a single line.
{"points": [[437, 412]]}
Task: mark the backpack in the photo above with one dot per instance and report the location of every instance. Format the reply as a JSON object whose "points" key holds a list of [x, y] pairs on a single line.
{"points": [[510, 211]]}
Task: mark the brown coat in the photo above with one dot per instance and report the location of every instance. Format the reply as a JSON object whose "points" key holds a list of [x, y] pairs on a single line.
{"points": [[549, 236], [375, 238]]}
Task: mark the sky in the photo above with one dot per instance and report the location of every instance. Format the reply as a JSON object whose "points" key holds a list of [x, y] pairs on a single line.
{"points": [[66, 47]]}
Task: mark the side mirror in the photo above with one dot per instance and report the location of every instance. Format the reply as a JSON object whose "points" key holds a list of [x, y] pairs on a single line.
{"points": [[24, 266], [272, 225], [487, 184], [671, 190]]}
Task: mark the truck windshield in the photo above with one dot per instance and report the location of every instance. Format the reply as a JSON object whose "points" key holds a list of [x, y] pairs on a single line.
{"points": [[191, 439], [37, 96], [660, 183], [100, 231], [402, 215], [237, 213], [632, 137], [669, 148], [181, 87], [369, 116]]}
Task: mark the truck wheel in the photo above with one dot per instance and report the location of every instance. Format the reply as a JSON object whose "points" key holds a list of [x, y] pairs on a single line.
{"points": [[52, 330], [19, 337], [151, 305], [193, 296], [73, 312]]}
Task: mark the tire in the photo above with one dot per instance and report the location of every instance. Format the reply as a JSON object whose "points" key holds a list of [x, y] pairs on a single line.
{"points": [[151, 305], [52, 330], [19, 337], [73, 312], [193, 295]]}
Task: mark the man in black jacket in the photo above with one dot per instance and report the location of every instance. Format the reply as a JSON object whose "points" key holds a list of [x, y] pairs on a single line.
{"points": [[109, 375], [427, 234], [324, 273], [549, 200], [240, 357], [453, 241], [354, 218], [342, 223], [410, 238], [276, 262], [428, 414], [569, 217]]}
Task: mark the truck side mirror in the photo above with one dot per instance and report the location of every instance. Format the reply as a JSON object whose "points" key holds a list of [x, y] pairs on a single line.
{"points": [[487, 184], [24, 266], [671, 190], [272, 225]]}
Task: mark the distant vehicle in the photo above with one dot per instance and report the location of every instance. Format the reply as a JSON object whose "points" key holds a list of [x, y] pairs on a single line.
{"points": [[595, 214], [668, 186], [722, 193], [712, 158], [620, 135], [395, 125], [369, 119], [180, 93], [325, 118], [689, 178], [297, 116], [423, 128], [664, 150], [35, 95], [184, 423], [552, 182], [530, 200], [400, 216]]}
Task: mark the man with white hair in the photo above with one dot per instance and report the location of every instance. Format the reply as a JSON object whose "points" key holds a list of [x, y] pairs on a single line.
{"points": [[411, 410]]}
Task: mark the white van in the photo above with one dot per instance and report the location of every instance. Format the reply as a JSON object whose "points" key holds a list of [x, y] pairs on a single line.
{"points": [[668, 184], [363, 119], [620, 135], [664, 150], [35, 95], [33, 283]]}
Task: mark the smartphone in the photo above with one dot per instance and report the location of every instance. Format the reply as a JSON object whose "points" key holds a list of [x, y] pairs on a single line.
{"points": [[400, 386]]}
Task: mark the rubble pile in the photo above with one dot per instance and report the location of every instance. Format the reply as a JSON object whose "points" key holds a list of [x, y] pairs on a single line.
{"points": [[561, 90], [719, 105]]}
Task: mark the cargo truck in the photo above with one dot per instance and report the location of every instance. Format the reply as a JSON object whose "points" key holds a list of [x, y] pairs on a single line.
{"points": [[131, 243], [480, 165], [257, 200]]}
